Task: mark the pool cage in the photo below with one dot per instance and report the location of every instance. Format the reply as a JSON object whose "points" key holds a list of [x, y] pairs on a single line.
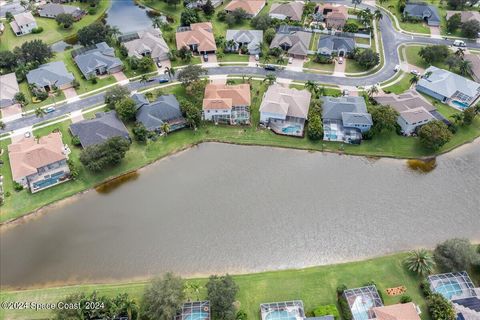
{"points": [[285, 310], [453, 285], [362, 301], [197, 310]]}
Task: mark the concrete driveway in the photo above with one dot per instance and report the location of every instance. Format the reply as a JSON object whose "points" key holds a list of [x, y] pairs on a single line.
{"points": [[212, 61], [165, 64], [70, 94], [435, 32], [339, 69], [12, 112], [296, 65], [120, 77]]}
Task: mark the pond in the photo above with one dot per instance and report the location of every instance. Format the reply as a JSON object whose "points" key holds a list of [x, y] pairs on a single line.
{"points": [[127, 16]]}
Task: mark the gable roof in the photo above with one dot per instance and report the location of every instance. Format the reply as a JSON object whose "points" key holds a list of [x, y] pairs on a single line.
{"points": [[54, 9], [252, 37], [24, 18], [251, 7], [27, 155], [152, 115], [293, 10], [101, 55], [53, 73], [286, 101], [333, 11], [297, 42], [347, 109], [150, 40], [200, 34], [422, 10], [448, 83], [8, 89], [104, 126], [475, 64], [223, 96], [329, 43], [465, 15], [397, 312]]}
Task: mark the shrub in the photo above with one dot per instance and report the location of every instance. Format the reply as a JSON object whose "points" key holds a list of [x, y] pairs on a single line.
{"points": [[329, 309], [17, 186], [455, 255], [340, 289], [94, 80], [76, 141], [37, 30], [440, 308], [425, 287], [92, 11], [405, 299], [344, 308], [241, 315]]}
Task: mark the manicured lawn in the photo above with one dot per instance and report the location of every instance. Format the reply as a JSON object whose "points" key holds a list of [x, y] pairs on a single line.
{"points": [[353, 67], [33, 105], [401, 86], [315, 286], [392, 6], [179, 62], [52, 32], [362, 41], [327, 67], [233, 57]]}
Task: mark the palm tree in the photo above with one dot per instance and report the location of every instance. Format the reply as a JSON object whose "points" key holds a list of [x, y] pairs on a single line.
{"points": [[465, 67], [270, 78], [311, 86], [39, 112], [457, 117], [170, 71], [355, 3], [2, 125], [266, 59], [378, 15], [230, 45], [157, 22], [193, 288], [372, 91], [144, 78], [414, 80], [322, 91], [460, 52], [420, 261], [165, 128]]}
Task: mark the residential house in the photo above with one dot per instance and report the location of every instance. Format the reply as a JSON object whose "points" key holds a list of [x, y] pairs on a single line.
{"points": [[97, 60], [400, 311], [465, 15], [423, 11], [198, 38], [39, 164], [227, 103], [475, 65], [289, 10], [345, 119], [198, 4], [414, 110], [329, 45], [153, 115], [251, 39], [23, 23], [251, 7], [8, 89], [94, 131], [52, 10], [147, 43], [334, 16], [51, 75], [449, 87], [295, 43], [285, 110]]}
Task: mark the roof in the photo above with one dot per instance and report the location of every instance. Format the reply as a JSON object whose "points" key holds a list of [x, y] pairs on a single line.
{"points": [[28, 155], [200, 34], [297, 42], [252, 37], [152, 115], [447, 83], [252, 7], [104, 126], [347, 109], [148, 41], [293, 10], [475, 64], [224, 96], [465, 15], [24, 18], [329, 43], [416, 115], [333, 11], [286, 101], [8, 89], [101, 55], [54, 9], [53, 73], [422, 10], [397, 312]]}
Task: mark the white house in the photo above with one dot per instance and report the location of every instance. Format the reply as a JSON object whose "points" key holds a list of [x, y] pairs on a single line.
{"points": [[23, 23]]}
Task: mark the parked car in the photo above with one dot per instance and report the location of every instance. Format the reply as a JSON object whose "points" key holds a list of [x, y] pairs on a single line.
{"points": [[257, 57], [27, 134], [159, 64], [397, 68], [340, 60], [290, 60], [459, 43], [205, 57], [346, 93], [270, 67], [415, 72], [163, 79], [49, 109]]}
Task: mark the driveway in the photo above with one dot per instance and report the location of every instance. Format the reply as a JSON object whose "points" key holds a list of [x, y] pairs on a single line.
{"points": [[296, 65], [212, 61], [251, 61], [120, 77], [165, 64], [12, 112], [70, 94], [76, 116], [435, 32], [339, 70]]}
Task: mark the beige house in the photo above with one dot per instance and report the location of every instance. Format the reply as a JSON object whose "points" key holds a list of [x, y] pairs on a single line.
{"points": [[335, 16], [290, 10], [227, 103], [23, 23], [198, 38], [405, 311], [8, 89], [251, 7], [148, 43]]}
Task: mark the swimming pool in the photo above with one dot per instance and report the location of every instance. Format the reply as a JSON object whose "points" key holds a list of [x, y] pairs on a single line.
{"points": [[448, 290], [281, 315], [360, 308], [200, 315], [291, 129], [460, 104]]}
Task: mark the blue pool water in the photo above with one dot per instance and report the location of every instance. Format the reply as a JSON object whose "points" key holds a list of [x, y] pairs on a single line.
{"points": [[448, 290], [331, 136], [460, 104], [291, 129], [360, 308], [197, 316], [280, 315], [49, 181]]}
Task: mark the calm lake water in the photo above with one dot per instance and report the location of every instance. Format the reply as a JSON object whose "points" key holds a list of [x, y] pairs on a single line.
{"points": [[128, 17], [219, 208]]}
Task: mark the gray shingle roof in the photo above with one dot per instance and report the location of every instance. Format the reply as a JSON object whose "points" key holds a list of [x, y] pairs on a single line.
{"points": [[252, 37], [152, 115], [102, 56], [328, 44], [423, 10], [54, 9], [53, 73], [105, 125], [296, 42], [347, 109]]}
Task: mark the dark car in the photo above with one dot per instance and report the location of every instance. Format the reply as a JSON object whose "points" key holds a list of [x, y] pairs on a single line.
{"points": [[163, 79], [270, 67]]}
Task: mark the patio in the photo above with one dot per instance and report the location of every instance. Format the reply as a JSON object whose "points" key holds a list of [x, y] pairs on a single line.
{"points": [[362, 301], [196, 310], [286, 127], [453, 286], [335, 131], [286, 310]]}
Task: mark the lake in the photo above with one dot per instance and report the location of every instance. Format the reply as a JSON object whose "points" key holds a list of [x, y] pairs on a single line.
{"points": [[224, 208], [128, 17]]}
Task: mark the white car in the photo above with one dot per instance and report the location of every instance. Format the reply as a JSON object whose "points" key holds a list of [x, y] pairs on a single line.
{"points": [[397, 68], [346, 93], [340, 60], [257, 57], [290, 60], [415, 72], [459, 43], [27, 134]]}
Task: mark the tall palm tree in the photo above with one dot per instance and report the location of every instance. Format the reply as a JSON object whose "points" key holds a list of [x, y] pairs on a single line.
{"points": [[420, 261], [460, 52], [465, 67], [39, 112], [457, 117], [157, 22], [170, 71], [378, 15], [373, 90], [270, 78], [266, 59], [2, 125], [165, 128], [144, 78], [414, 79], [231, 44], [311, 86]]}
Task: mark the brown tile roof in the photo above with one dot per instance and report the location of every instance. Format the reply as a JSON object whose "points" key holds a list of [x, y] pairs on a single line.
{"points": [[200, 34], [293, 10], [335, 12], [222, 96], [27, 155], [252, 7], [406, 311]]}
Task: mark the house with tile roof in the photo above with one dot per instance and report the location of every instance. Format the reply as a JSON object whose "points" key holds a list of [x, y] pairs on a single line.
{"points": [[290, 10], [52, 10], [400, 311], [295, 43], [51, 75], [39, 164], [227, 103], [97, 60], [424, 12], [345, 119], [335, 16], [23, 23], [147, 43], [94, 131], [251, 39], [285, 110], [153, 115], [251, 7], [198, 38], [8, 89], [329, 45], [448, 87]]}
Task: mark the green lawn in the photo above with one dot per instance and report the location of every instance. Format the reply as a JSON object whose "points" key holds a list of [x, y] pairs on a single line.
{"points": [[179, 62], [233, 57], [419, 27], [33, 105], [362, 41], [51, 31], [315, 286], [353, 67], [401, 86], [327, 67]]}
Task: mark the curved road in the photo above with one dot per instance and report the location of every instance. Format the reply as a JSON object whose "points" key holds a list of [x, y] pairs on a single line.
{"points": [[391, 40]]}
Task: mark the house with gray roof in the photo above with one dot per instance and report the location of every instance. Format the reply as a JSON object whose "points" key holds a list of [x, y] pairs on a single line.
{"points": [[290, 10], [97, 60], [251, 39], [50, 75], [8, 89], [345, 118], [94, 131], [23, 23], [448, 87], [295, 43], [52, 10], [423, 11], [329, 45], [147, 43], [153, 115], [475, 65]]}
